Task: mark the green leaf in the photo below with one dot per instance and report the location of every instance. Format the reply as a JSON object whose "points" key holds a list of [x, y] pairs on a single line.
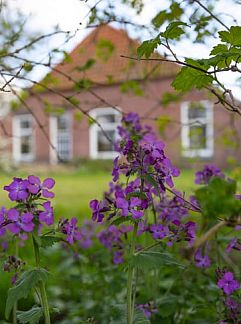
{"points": [[28, 280], [132, 86], [86, 66], [49, 240], [149, 178], [104, 49], [168, 305], [217, 199], [173, 30], [169, 97], [140, 318], [28, 67], [162, 123], [233, 36], [153, 259], [160, 18], [32, 316], [189, 78], [119, 313], [121, 220], [174, 13], [148, 47], [219, 49], [83, 84]]}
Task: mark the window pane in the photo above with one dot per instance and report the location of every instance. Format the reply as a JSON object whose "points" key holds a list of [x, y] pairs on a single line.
{"points": [[198, 137], [196, 110], [63, 137], [106, 119], [25, 123], [26, 144], [103, 144], [62, 122]]}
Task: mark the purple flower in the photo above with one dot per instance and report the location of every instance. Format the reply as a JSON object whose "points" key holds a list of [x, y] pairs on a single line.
{"points": [[209, 171], [46, 185], [23, 222], [159, 231], [118, 257], [148, 309], [3, 219], [72, 231], [190, 230], [18, 189], [228, 283], [115, 172], [97, 210], [35, 186], [234, 244], [122, 204], [202, 261], [47, 215]]}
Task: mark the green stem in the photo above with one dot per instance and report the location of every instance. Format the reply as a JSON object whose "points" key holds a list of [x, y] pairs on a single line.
{"points": [[15, 306], [44, 299], [130, 297]]}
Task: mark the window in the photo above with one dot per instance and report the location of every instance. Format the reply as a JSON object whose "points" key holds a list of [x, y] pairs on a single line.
{"points": [[23, 138], [197, 129], [100, 146], [61, 137]]}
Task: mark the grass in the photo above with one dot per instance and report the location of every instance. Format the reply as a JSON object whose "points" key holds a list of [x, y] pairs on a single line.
{"points": [[76, 187], [73, 191]]}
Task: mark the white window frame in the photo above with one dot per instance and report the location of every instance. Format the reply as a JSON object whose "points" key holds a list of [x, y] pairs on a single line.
{"points": [[53, 132], [18, 156], [94, 128], [186, 123]]}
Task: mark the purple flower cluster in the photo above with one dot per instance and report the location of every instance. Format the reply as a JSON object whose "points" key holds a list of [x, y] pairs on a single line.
{"points": [[201, 261], [21, 189], [148, 309], [26, 214], [234, 244], [227, 283], [112, 238], [141, 153], [229, 286], [148, 173], [70, 229], [208, 172]]}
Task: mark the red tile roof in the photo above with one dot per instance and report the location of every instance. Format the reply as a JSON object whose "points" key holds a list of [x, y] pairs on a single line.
{"points": [[104, 46]]}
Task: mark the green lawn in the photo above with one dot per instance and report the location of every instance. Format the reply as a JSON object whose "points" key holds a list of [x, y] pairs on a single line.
{"points": [[75, 189]]}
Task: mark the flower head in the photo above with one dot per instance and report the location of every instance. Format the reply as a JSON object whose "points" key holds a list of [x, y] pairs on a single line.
{"points": [[228, 284]]}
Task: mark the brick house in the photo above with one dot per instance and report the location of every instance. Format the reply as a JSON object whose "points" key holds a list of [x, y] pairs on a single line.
{"points": [[196, 129]]}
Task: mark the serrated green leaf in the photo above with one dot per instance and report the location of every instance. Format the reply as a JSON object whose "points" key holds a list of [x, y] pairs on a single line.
{"points": [[148, 47], [168, 305], [219, 49], [173, 30], [173, 14], [119, 313], [28, 280], [32, 316], [153, 259], [140, 318], [189, 78], [49, 240], [233, 36]]}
